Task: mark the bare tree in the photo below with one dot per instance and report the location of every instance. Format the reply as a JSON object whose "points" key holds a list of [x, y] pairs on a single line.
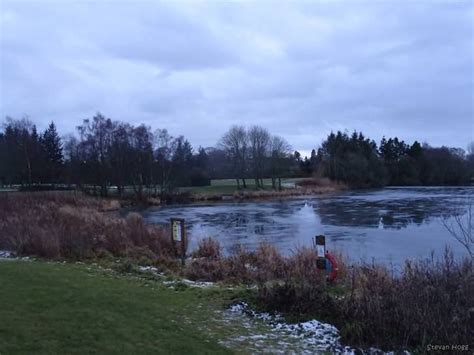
{"points": [[462, 229], [164, 147], [235, 144], [96, 139], [120, 155], [259, 140], [142, 158], [280, 151]]}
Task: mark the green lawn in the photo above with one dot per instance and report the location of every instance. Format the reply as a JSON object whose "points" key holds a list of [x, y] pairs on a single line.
{"points": [[229, 186], [68, 308], [250, 182]]}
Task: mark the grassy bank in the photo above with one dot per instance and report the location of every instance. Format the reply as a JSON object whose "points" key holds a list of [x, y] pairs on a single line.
{"points": [[63, 309], [427, 302]]}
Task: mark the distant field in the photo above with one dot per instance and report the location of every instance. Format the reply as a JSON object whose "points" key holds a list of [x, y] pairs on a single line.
{"points": [[251, 182], [228, 186]]}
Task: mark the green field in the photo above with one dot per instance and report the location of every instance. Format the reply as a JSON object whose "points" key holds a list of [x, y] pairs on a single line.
{"points": [[78, 309], [251, 182]]}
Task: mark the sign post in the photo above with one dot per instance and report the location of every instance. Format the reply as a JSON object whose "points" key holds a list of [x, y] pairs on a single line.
{"points": [[325, 261], [320, 242], [178, 237]]}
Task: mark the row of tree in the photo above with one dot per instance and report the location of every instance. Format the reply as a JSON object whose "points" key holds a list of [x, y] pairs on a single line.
{"points": [[113, 153], [105, 154], [27, 156], [357, 161], [255, 153]]}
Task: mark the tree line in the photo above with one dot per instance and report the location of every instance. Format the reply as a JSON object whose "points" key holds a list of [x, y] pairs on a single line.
{"points": [[358, 161], [105, 153]]}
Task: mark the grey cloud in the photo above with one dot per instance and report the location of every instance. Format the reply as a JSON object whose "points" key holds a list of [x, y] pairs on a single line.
{"points": [[300, 69]]}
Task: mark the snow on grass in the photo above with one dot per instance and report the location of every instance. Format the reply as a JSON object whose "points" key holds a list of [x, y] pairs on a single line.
{"points": [[9, 255], [303, 338], [6, 254], [153, 270], [199, 284]]}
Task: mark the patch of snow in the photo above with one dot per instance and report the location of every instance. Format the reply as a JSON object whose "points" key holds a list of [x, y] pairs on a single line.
{"points": [[200, 284], [311, 335], [148, 268], [6, 254], [151, 270], [303, 338]]}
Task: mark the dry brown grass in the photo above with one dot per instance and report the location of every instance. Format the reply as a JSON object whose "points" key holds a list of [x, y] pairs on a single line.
{"points": [[265, 265], [72, 226], [305, 188], [301, 191], [426, 302], [431, 302], [322, 184], [207, 248]]}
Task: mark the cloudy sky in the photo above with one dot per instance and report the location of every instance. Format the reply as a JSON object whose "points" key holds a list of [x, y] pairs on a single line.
{"points": [[300, 69]]}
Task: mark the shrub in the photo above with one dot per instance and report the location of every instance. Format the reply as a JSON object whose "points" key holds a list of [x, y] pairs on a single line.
{"points": [[426, 302], [269, 264], [298, 299], [206, 269], [72, 226], [430, 302], [207, 248], [300, 290]]}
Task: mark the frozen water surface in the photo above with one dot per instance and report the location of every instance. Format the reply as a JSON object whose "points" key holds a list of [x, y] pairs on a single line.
{"points": [[386, 225]]}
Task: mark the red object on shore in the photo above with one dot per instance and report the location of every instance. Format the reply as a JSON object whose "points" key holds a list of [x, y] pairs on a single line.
{"points": [[334, 268]]}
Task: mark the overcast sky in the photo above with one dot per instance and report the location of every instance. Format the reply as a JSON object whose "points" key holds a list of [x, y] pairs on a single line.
{"points": [[300, 69]]}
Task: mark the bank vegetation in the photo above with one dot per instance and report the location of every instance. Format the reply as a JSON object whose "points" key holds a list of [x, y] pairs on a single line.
{"points": [[423, 302]]}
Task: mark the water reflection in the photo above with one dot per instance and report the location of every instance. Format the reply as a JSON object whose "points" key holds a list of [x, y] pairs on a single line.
{"points": [[388, 224], [392, 208]]}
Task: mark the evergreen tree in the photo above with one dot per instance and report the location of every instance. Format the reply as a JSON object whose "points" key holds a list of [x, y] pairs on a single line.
{"points": [[182, 161], [199, 175], [352, 159], [52, 153], [201, 158]]}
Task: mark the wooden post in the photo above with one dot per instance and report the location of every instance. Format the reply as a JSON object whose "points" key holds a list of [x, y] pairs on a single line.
{"points": [[178, 236], [320, 242]]}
